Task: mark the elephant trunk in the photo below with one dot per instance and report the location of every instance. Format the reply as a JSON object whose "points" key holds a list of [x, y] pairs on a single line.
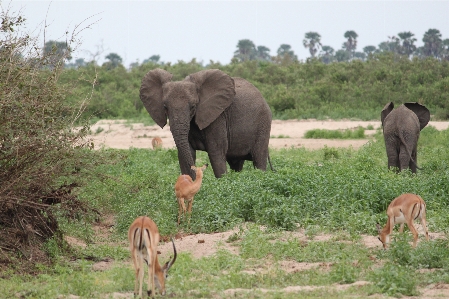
{"points": [[181, 137]]}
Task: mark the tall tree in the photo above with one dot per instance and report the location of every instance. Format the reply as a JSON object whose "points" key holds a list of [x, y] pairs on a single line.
{"points": [[392, 45], [56, 52], [153, 59], [407, 43], [246, 50], [369, 50], [351, 44], [432, 43], [312, 41], [284, 50], [114, 60], [342, 55], [263, 53], [445, 52], [327, 54]]}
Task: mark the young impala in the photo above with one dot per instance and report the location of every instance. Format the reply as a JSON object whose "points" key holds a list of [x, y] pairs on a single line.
{"points": [[186, 188], [156, 142], [143, 238], [404, 209]]}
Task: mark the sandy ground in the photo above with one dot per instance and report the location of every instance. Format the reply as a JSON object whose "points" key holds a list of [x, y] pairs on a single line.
{"points": [[284, 134]]}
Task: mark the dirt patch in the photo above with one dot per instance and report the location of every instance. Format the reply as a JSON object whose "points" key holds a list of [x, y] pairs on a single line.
{"points": [[295, 289], [200, 245], [284, 134], [293, 267]]}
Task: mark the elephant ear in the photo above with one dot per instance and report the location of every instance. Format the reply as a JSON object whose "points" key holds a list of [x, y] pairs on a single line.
{"points": [[421, 111], [151, 94], [387, 109], [216, 91]]}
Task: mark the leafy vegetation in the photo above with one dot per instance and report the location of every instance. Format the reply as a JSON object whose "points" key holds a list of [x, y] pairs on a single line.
{"points": [[342, 191], [358, 133], [42, 153], [352, 90]]}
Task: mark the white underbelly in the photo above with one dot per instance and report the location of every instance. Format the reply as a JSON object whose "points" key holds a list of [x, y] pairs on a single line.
{"points": [[400, 219]]}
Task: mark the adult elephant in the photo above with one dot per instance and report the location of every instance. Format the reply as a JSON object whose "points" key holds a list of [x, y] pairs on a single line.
{"points": [[210, 111], [401, 128]]}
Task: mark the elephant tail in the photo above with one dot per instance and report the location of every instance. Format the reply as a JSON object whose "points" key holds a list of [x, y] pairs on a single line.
{"points": [[408, 151]]}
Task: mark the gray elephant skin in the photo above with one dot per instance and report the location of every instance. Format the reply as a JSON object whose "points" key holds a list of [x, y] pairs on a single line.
{"points": [[401, 129], [213, 112]]}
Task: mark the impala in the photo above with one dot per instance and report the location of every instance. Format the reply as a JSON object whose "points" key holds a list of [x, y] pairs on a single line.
{"points": [[404, 209], [156, 142], [186, 188], [143, 238]]}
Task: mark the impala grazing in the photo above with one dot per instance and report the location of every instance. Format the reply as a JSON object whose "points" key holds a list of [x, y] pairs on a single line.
{"points": [[143, 238], [186, 188], [404, 209], [156, 142]]}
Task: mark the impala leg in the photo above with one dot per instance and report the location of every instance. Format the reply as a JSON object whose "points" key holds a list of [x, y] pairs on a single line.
{"points": [[136, 271], [182, 209], [424, 224], [189, 208], [414, 231], [140, 271], [151, 279], [401, 228]]}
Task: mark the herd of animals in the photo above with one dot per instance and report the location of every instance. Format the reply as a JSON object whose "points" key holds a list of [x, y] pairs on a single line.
{"points": [[229, 119]]}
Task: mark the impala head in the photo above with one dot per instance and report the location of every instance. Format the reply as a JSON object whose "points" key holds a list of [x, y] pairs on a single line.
{"points": [[202, 168], [383, 237], [160, 277]]}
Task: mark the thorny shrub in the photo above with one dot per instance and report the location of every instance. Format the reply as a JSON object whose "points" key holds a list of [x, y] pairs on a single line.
{"points": [[41, 152]]}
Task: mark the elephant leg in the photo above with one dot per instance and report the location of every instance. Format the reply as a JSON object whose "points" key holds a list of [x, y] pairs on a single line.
{"points": [[393, 161], [404, 158], [259, 151], [216, 139], [260, 157], [218, 163]]}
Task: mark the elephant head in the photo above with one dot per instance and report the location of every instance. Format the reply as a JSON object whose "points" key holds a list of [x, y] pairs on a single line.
{"points": [[200, 98], [401, 128]]}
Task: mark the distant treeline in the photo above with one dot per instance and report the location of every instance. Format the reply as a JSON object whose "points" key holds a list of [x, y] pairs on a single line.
{"points": [[297, 90]]}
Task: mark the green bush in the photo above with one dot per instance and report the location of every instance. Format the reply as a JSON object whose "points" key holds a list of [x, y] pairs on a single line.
{"points": [[351, 90], [43, 156]]}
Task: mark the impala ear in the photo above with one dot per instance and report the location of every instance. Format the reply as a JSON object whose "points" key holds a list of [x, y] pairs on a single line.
{"points": [[387, 109], [421, 111], [216, 91], [151, 94]]}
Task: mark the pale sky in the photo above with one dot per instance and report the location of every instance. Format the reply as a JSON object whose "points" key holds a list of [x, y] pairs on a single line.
{"points": [[210, 30]]}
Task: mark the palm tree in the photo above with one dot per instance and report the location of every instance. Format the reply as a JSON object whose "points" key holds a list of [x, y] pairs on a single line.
{"points": [[246, 50], [392, 45], [327, 54], [342, 55], [432, 43], [445, 52], [369, 50], [312, 41], [284, 51], [263, 53], [407, 39], [351, 44]]}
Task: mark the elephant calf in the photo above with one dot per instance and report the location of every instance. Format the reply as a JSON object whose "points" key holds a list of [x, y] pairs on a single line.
{"points": [[401, 128]]}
